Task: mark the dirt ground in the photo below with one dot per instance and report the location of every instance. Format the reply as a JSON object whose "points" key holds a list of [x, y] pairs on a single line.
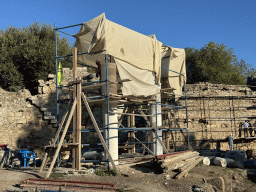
{"points": [[138, 177]]}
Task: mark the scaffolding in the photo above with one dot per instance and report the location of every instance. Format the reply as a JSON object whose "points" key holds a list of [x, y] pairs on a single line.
{"points": [[131, 106], [216, 111]]}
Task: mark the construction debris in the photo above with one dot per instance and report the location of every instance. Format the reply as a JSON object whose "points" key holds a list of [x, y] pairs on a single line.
{"points": [[178, 161], [51, 184]]}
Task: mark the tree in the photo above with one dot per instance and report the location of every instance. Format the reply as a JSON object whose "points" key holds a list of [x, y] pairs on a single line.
{"points": [[28, 54], [215, 63]]}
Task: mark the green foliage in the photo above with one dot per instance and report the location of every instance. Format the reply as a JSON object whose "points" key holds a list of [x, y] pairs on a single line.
{"points": [[216, 64], [28, 54], [103, 172], [56, 176]]}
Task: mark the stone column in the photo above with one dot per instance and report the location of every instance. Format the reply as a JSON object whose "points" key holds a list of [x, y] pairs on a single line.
{"points": [[156, 122], [112, 138]]}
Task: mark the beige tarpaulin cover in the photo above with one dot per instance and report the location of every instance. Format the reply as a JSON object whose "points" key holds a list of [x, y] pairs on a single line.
{"points": [[100, 35], [174, 59], [136, 55], [142, 81]]}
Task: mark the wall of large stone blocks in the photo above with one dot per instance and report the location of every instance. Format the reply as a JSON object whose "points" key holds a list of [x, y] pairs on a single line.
{"points": [[30, 120], [215, 111]]}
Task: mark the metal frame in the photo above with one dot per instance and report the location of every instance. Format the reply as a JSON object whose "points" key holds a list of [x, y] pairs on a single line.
{"points": [[107, 94]]}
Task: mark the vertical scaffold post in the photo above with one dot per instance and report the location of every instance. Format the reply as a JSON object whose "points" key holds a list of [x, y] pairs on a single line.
{"points": [[186, 107], [57, 88]]}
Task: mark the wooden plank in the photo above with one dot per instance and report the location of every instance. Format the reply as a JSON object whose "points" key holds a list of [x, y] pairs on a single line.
{"points": [[131, 134], [74, 82], [145, 118], [180, 175], [43, 162], [148, 122], [170, 125], [62, 122], [122, 116], [99, 133], [78, 128], [93, 86], [62, 138]]}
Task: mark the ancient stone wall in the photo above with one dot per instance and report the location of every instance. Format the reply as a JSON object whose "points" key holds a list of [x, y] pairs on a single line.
{"points": [[30, 120], [215, 111]]}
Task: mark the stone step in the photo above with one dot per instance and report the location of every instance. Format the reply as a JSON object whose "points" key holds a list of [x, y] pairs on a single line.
{"points": [[49, 117], [53, 121]]}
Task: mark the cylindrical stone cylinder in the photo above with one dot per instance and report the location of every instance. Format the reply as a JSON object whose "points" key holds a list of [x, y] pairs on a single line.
{"points": [[111, 134]]}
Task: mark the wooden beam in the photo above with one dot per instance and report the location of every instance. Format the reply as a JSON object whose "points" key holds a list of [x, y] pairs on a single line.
{"points": [[74, 82], [62, 122], [99, 133], [62, 138], [78, 128], [74, 96], [148, 122], [180, 175], [122, 116], [170, 125], [43, 162]]}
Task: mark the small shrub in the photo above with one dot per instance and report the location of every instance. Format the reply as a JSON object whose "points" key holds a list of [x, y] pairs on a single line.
{"points": [[103, 172], [56, 175], [212, 172]]}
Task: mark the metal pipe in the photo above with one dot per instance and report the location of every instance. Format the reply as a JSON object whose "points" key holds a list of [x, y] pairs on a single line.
{"points": [[144, 146], [57, 92], [107, 95], [173, 71], [65, 33], [69, 26], [170, 105], [77, 63]]}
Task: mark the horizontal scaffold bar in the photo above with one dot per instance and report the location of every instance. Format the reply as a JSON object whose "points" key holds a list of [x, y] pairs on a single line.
{"points": [[68, 26]]}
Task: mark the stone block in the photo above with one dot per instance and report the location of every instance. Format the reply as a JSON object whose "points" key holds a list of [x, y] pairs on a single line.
{"points": [[53, 121], [49, 117], [40, 90], [45, 89], [11, 114], [43, 109], [18, 114], [29, 105], [21, 121], [51, 76], [47, 113]]}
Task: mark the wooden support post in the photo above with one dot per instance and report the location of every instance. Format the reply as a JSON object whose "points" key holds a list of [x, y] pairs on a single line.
{"points": [[169, 123], [148, 122], [78, 128], [62, 138], [62, 122], [122, 116], [75, 112], [131, 134], [99, 133], [43, 162]]}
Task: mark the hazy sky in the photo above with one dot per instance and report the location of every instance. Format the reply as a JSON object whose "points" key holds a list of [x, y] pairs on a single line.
{"points": [[180, 24]]}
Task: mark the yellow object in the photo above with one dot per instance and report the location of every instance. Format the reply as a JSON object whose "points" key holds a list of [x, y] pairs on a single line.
{"points": [[60, 76]]}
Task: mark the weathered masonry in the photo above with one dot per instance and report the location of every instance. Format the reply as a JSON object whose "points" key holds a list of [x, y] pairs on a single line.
{"points": [[215, 111]]}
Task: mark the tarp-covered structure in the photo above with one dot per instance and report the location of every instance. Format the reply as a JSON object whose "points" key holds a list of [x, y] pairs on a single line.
{"points": [[138, 57]]}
